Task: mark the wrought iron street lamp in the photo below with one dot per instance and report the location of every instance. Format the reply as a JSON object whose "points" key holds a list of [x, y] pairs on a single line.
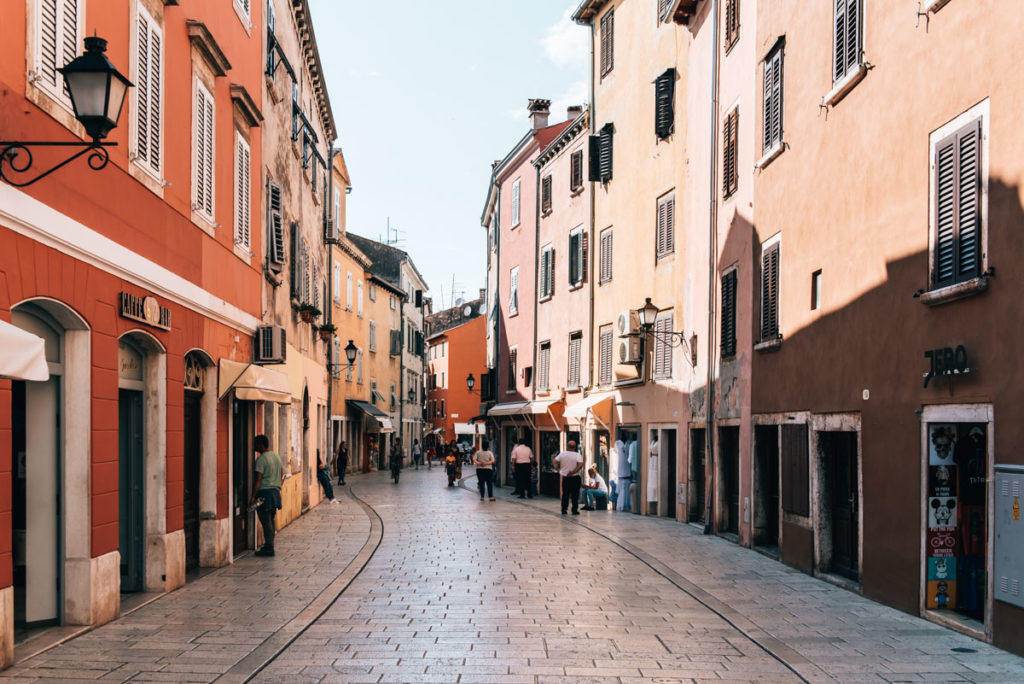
{"points": [[351, 352], [97, 91], [648, 314], [471, 383]]}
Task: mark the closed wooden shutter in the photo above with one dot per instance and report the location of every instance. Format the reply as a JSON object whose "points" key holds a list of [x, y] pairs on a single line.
{"points": [[846, 38], [604, 161], [605, 259], [204, 135], [575, 240], [545, 194], [584, 255], [795, 470], [373, 336], [605, 355], [305, 272], [576, 170], [57, 44], [276, 225], [665, 240], [148, 92], [607, 42], [664, 103], [732, 23], [662, 346], [512, 366], [729, 314], [958, 207], [296, 261], [243, 184], [543, 363], [594, 152], [575, 349], [730, 145], [546, 272], [773, 100], [314, 283], [770, 293]]}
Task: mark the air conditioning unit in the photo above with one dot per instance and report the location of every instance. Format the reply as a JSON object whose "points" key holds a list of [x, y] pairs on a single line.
{"points": [[629, 350], [271, 344], [627, 323], [330, 231]]}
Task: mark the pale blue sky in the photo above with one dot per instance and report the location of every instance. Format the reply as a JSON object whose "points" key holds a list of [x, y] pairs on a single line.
{"points": [[425, 96]]}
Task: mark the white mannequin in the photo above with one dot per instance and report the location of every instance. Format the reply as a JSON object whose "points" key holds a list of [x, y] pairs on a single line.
{"points": [[653, 474]]}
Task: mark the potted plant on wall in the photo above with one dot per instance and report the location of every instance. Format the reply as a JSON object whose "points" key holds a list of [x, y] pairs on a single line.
{"points": [[308, 312], [326, 331]]}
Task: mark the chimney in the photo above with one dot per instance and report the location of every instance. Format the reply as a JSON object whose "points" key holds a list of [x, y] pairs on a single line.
{"points": [[573, 112], [483, 294], [539, 110]]}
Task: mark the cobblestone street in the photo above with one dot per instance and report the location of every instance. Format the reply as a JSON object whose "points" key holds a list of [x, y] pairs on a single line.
{"points": [[459, 590]]}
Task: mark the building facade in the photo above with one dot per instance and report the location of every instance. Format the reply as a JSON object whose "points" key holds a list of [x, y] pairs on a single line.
{"points": [[454, 352]]}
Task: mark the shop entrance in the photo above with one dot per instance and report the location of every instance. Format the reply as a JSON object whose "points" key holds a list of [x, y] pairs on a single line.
{"points": [[840, 502], [662, 457], [131, 467], [511, 436], [627, 462], [549, 445], [766, 488], [729, 485], [698, 475], [242, 458], [600, 452], [956, 503]]}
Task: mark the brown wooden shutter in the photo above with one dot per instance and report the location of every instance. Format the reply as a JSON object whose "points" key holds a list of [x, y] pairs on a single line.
{"points": [[729, 314], [277, 255], [664, 103], [607, 42], [584, 255], [773, 99], [770, 293], [576, 165], [545, 194], [732, 23], [795, 470], [730, 145]]}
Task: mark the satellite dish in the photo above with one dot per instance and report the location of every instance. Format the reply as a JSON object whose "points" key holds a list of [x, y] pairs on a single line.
{"points": [[459, 301], [468, 311]]}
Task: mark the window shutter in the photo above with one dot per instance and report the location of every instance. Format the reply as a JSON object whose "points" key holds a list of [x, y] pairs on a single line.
{"points": [[846, 38], [545, 193], [204, 150], [142, 88], [604, 162], [958, 203], [515, 203], [666, 226], [242, 193], [605, 257], [512, 354], [773, 100], [945, 215], [551, 271], [730, 172], [513, 295], [732, 23], [729, 314], [664, 103], [576, 168], [770, 294], [574, 258], [575, 346], [545, 272], [584, 251], [594, 157], [276, 225], [607, 42], [50, 30], [315, 283], [606, 357]]}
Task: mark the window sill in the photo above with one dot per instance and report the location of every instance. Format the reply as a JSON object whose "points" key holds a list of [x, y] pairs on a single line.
{"points": [[576, 286], [576, 192], [545, 214], [604, 282], [243, 253], [933, 5], [513, 314], [768, 346], [770, 155], [514, 226], [574, 389], [951, 293], [845, 85], [663, 257], [545, 298]]}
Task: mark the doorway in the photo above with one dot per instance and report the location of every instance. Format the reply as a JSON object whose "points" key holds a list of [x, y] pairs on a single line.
{"points": [[666, 471], [766, 488], [840, 504], [729, 494], [600, 451], [241, 469], [193, 457], [131, 467], [698, 475], [628, 453]]}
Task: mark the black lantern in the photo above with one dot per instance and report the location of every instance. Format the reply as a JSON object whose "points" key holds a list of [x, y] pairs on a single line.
{"points": [[351, 352], [647, 313], [470, 382], [97, 89], [412, 395]]}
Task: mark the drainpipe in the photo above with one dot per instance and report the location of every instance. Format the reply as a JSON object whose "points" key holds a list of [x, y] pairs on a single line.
{"points": [[594, 239], [329, 204], [401, 358], [536, 278], [709, 401]]}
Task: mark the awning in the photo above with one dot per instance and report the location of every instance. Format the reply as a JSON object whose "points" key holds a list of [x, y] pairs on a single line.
{"points": [[23, 356], [579, 409], [383, 421], [384, 424], [515, 408], [540, 405], [253, 383], [469, 429]]}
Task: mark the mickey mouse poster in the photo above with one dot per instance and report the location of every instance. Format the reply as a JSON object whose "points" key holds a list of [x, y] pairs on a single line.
{"points": [[941, 511]]}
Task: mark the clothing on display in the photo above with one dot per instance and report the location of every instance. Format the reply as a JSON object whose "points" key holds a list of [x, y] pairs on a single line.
{"points": [[652, 471]]}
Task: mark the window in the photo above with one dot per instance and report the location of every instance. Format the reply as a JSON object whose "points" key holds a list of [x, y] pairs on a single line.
{"points": [[275, 226], [336, 283], [606, 256], [664, 104], [732, 23], [373, 336], [730, 148], [846, 41], [336, 357], [513, 352], [57, 43], [545, 194], [770, 292], [543, 366], [729, 314], [373, 292], [359, 298], [515, 203], [392, 302], [957, 235], [662, 8], [601, 154], [243, 183], [443, 414], [607, 42], [605, 356], [772, 101], [666, 226], [816, 290], [296, 262], [547, 272], [575, 352], [148, 92], [576, 171], [442, 380], [663, 346], [314, 283], [348, 290], [204, 144], [513, 292], [242, 9], [577, 257]]}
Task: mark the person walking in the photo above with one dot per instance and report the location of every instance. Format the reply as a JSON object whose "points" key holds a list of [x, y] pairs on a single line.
{"points": [[417, 453], [570, 463], [323, 476], [450, 465], [430, 457], [484, 461], [266, 491], [341, 462], [522, 460], [594, 485]]}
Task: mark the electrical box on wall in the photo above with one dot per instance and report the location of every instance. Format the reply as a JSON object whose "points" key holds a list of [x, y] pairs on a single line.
{"points": [[1009, 534]]}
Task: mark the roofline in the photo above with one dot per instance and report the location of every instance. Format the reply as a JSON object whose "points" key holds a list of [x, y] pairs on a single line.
{"points": [[587, 10], [408, 259], [579, 125], [442, 333], [386, 284], [301, 10], [500, 168]]}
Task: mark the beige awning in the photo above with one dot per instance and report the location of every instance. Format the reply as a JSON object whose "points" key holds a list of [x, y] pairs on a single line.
{"points": [[23, 356], [579, 409], [540, 405], [469, 429], [253, 383], [384, 424], [515, 408]]}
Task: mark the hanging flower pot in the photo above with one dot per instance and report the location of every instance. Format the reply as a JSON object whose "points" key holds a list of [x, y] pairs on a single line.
{"points": [[308, 313], [326, 332]]}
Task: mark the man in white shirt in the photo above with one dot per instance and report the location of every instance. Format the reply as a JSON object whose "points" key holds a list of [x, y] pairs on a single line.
{"points": [[522, 458], [570, 463], [595, 485]]}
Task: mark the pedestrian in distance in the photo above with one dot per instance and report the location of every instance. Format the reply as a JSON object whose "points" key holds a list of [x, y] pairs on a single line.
{"points": [[594, 485], [522, 461], [450, 465], [417, 453], [323, 476], [341, 462], [430, 457], [570, 463], [484, 461], [266, 491]]}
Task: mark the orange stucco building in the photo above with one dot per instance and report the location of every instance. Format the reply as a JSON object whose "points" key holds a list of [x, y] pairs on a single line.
{"points": [[454, 352]]}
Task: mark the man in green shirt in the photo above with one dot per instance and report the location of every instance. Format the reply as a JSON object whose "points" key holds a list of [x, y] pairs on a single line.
{"points": [[266, 489]]}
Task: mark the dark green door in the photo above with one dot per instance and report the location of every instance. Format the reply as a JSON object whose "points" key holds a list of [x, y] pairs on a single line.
{"points": [[191, 490], [242, 459], [131, 530]]}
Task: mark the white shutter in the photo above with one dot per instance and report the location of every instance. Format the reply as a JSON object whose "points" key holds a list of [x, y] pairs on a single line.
{"points": [[348, 291], [204, 147], [359, 299], [513, 298], [148, 91], [243, 183], [337, 283], [515, 203], [57, 43], [373, 336]]}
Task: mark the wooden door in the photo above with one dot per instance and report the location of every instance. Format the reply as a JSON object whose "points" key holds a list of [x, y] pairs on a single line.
{"points": [[844, 503], [242, 459], [192, 424], [131, 491]]}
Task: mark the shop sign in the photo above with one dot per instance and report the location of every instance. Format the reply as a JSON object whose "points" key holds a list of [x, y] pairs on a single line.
{"points": [[946, 362], [145, 310]]}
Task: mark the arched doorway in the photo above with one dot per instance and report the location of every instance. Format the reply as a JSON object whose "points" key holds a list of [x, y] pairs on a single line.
{"points": [[194, 427]]}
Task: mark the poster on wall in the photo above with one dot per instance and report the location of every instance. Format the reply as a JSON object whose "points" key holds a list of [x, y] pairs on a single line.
{"points": [[941, 594], [941, 512], [941, 542], [942, 481], [941, 441]]}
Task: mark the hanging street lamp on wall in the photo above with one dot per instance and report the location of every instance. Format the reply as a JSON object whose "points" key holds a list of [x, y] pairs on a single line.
{"points": [[97, 91]]}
